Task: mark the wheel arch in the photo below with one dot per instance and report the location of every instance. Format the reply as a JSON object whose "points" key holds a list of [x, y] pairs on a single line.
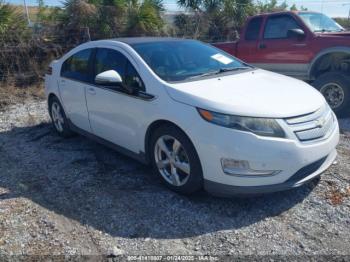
{"points": [[50, 97], [150, 130], [326, 58], [49, 100]]}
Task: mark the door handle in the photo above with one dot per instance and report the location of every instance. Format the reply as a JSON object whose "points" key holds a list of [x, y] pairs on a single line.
{"points": [[300, 45], [91, 91], [262, 46]]}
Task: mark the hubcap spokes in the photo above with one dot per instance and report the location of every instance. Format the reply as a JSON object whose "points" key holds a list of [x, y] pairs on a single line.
{"points": [[57, 117], [334, 94], [172, 160]]}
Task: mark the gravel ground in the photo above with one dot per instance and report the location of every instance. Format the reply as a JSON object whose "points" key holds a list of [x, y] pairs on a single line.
{"points": [[75, 197]]}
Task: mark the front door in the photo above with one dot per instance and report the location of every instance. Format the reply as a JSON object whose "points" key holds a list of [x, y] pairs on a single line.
{"points": [[115, 115], [278, 52]]}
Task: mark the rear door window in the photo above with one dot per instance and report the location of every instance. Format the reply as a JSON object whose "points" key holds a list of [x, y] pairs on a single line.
{"points": [[253, 29], [77, 67]]}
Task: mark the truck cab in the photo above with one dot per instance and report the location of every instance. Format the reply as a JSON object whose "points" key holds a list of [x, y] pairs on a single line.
{"points": [[306, 45]]}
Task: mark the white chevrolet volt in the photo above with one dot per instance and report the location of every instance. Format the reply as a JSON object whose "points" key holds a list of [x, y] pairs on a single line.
{"points": [[201, 117]]}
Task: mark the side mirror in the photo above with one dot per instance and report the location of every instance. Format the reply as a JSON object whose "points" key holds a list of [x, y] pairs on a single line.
{"points": [[296, 33], [108, 78]]}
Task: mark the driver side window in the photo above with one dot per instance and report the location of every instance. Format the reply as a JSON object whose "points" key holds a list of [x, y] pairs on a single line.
{"points": [[132, 78], [109, 59], [277, 27]]}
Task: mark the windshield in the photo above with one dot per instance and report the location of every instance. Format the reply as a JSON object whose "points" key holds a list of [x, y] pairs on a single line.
{"points": [[320, 23], [178, 60]]}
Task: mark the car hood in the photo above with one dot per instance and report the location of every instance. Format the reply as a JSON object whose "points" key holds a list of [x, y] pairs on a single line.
{"points": [[256, 93]]}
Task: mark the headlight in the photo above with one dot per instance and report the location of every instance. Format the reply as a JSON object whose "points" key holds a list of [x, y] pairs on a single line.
{"points": [[256, 125]]}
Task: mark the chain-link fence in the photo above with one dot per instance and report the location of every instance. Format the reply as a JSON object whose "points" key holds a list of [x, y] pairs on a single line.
{"points": [[25, 63]]}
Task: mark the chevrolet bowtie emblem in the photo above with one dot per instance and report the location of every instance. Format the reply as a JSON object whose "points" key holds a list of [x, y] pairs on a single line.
{"points": [[320, 122]]}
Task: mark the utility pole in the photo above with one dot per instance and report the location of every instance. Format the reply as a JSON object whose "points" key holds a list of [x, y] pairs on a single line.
{"points": [[27, 13]]}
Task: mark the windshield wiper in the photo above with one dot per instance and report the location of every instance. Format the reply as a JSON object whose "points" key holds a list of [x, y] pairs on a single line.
{"points": [[204, 74], [219, 71], [222, 70]]}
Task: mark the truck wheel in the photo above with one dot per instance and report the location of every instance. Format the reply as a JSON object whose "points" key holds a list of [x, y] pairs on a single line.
{"points": [[335, 87]]}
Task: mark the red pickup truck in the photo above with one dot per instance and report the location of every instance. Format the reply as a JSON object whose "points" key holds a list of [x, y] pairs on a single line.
{"points": [[306, 45]]}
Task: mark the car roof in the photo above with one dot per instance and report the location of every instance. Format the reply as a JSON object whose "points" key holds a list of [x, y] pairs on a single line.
{"points": [[141, 40], [284, 12]]}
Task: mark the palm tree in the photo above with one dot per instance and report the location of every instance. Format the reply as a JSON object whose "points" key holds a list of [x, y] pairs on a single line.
{"points": [[223, 16], [144, 18], [12, 24], [79, 13]]}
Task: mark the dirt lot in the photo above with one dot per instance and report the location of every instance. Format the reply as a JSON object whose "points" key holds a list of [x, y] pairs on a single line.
{"points": [[73, 196]]}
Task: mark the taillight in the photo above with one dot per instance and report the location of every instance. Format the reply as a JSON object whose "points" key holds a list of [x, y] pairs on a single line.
{"points": [[49, 70]]}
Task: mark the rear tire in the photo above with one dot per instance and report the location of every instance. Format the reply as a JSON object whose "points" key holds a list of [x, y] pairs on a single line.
{"points": [[335, 87], [175, 160], [59, 119]]}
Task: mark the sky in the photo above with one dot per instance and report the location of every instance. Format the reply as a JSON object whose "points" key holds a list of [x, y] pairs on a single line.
{"points": [[333, 8]]}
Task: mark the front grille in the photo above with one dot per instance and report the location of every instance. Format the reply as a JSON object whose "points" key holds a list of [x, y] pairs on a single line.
{"points": [[314, 126]]}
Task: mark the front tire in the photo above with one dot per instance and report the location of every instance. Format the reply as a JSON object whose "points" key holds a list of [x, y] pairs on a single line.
{"points": [[335, 87], [175, 160], [59, 119]]}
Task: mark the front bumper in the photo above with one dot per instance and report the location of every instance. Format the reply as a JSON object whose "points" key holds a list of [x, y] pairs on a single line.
{"points": [[303, 176], [288, 155]]}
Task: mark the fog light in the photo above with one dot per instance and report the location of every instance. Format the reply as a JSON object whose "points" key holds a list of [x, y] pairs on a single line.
{"points": [[235, 167]]}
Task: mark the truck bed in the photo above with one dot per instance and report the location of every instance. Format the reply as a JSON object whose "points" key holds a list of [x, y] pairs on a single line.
{"points": [[229, 47]]}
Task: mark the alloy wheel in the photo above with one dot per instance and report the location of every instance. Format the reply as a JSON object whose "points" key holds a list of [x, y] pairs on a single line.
{"points": [[57, 116], [172, 160]]}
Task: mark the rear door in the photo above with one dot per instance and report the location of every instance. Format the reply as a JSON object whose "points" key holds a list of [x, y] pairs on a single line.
{"points": [[74, 79], [280, 53]]}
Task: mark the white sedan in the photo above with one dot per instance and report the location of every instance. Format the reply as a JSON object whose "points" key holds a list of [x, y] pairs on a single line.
{"points": [[201, 117]]}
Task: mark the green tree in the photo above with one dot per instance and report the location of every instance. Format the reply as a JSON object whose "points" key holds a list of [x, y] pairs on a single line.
{"points": [[293, 8], [42, 10], [112, 18], [344, 22], [79, 13], [271, 6], [222, 17], [144, 18], [13, 26], [191, 25]]}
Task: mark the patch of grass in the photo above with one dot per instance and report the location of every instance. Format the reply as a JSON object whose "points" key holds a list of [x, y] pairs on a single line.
{"points": [[11, 94]]}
